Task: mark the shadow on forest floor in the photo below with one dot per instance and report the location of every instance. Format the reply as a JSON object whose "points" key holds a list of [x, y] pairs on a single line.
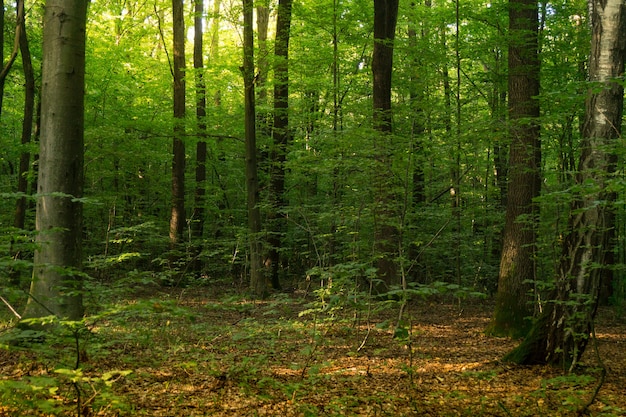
{"points": [[192, 353]]}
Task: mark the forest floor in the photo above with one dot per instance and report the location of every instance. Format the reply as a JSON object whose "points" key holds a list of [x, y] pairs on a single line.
{"points": [[197, 353]]}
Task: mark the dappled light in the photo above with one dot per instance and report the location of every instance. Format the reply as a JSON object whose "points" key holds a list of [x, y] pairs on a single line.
{"points": [[180, 353]]}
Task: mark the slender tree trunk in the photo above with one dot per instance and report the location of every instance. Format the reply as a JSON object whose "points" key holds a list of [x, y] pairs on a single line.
{"points": [[201, 147], [258, 283], [281, 136], [1, 53], [335, 69], [517, 264], [27, 127], [561, 335], [19, 28], [177, 219], [262, 70], [56, 285], [214, 47], [386, 234], [417, 96], [456, 166]]}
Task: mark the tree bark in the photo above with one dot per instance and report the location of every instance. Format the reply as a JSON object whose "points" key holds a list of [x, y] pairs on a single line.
{"points": [[19, 28], [198, 216], [281, 138], [1, 53], [386, 234], [517, 262], [561, 335], [258, 284], [27, 126], [262, 24], [56, 286], [417, 94], [177, 218]]}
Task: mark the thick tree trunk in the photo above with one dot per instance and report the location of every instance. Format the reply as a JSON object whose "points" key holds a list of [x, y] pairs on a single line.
{"points": [[258, 284], [178, 217], [56, 286], [561, 335], [281, 137], [517, 263], [386, 234]]}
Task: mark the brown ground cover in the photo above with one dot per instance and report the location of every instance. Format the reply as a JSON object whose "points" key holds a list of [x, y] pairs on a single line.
{"points": [[198, 355]]}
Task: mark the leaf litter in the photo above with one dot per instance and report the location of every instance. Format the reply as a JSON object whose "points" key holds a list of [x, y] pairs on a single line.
{"points": [[194, 355]]}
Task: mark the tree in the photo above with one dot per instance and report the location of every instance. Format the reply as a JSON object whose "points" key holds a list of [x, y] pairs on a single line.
{"points": [[177, 218], [281, 137], [27, 123], [258, 283], [517, 262], [57, 284], [19, 29], [262, 26], [386, 233], [27, 129], [1, 52], [561, 334], [197, 225]]}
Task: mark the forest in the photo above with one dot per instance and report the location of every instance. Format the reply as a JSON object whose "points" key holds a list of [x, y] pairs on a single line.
{"points": [[309, 208]]}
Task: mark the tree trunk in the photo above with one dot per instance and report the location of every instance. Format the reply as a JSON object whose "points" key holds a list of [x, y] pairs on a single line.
{"points": [[56, 286], [386, 234], [27, 126], [19, 28], [561, 335], [262, 24], [27, 129], [417, 95], [198, 216], [262, 70], [258, 284], [517, 262], [177, 219], [1, 53], [281, 136]]}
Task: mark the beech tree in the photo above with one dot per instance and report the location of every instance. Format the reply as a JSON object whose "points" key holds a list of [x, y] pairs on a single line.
{"points": [[561, 334], [56, 285], [517, 263]]}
